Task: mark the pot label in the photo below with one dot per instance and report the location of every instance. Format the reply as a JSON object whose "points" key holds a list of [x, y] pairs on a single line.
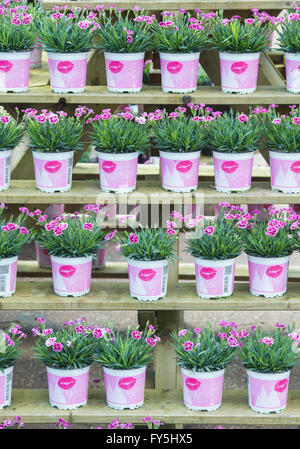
{"points": [[274, 271], [281, 385], [108, 166], [5, 66], [127, 383], [184, 166], [174, 67], [115, 66], [239, 67], [295, 167], [52, 166], [66, 383], [192, 383], [65, 66], [229, 166], [67, 271]]}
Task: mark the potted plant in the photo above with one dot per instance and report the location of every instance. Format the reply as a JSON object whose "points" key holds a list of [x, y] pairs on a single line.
{"points": [[179, 40], [147, 251], [10, 340], [239, 44], [124, 40], [119, 139], [234, 137], [179, 138], [67, 40], [203, 355], [124, 358], [269, 357], [53, 139], [17, 36], [67, 354], [215, 245]]}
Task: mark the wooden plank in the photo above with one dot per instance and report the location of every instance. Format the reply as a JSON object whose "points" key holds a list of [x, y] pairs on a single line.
{"points": [[268, 71]]}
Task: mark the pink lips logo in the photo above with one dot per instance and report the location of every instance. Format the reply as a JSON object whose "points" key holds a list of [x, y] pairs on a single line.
{"points": [[147, 274], [52, 166], [229, 166], [108, 166], [5, 66], [192, 384], [184, 166], [174, 67], [295, 167], [281, 385], [65, 66], [66, 383], [208, 273], [274, 271], [239, 67], [115, 66], [67, 271], [127, 383]]}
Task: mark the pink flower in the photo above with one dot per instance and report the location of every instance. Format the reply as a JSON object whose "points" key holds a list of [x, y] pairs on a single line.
{"points": [[58, 230], [88, 226], [222, 335], [171, 231], [23, 230], [50, 342], [151, 341], [57, 347], [197, 330], [41, 320], [249, 21], [182, 333], [97, 332], [243, 118], [12, 226], [188, 345], [232, 341], [4, 119], [276, 121], [136, 335], [110, 235], [133, 238], [84, 24], [279, 325], [209, 230], [242, 224], [53, 118], [41, 118], [271, 231], [47, 332]]}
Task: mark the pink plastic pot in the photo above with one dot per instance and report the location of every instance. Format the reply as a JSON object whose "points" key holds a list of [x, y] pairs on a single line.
{"points": [[53, 171], [5, 386], [71, 276], [268, 276], [68, 389], [148, 280], [214, 278], [268, 392], [201, 390], [67, 72], [43, 257], [239, 72], [14, 71], [285, 172], [179, 171], [118, 172], [101, 258], [125, 388], [36, 56], [5, 158], [124, 71], [292, 71], [179, 72], [233, 171], [8, 276]]}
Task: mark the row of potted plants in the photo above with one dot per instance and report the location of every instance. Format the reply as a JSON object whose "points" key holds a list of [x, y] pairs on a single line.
{"points": [[69, 34], [203, 355], [179, 136]]}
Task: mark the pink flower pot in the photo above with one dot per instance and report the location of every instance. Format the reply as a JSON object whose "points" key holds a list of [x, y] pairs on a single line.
{"points": [[124, 71], [148, 280], [292, 71], [285, 172], [179, 72], [201, 390], [43, 257], [68, 389], [118, 171], [233, 171], [14, 71], [214, 278], [268, 392], [179, 171], [5, 159], [36, 56], [53, 171], [125, 388], [67, 72], [71, 276], [239, 72], [5, 386], [268, 276], [99, 262], [8, 276]]}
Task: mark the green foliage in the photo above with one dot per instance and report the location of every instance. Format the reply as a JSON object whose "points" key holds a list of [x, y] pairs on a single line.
{"points": [[10, 341], [283, 135], [15, 37], [12, 241], [289, 35], [11, 132]]}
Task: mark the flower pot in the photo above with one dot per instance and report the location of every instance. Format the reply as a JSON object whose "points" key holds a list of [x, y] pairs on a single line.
{"points": [[201, 390], [285, 172], [67, 72], [214, 278], [53, 171], [99, 262], [268, 276], [179, 72], [43, 257], [5, 158], [5, 386], [124, 71], [8, 276], [118, 171], [68, 388], [233, 171], [268, 392], [292, 71], [14, 71], [148, 279], [125, 388], [179, 171], [239, 72], [71, 275], [36, 56]]}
